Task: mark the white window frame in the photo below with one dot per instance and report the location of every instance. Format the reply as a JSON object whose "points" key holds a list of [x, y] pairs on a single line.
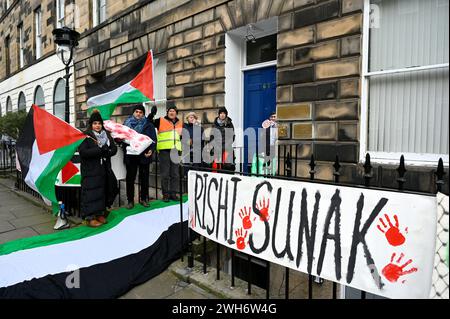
{"points": [[417, 159], [21, 46], [38, 32], [96, 10], [60, 13]]}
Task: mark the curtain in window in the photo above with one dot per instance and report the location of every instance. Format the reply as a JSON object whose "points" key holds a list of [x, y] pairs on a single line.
{"points": [[408, 111]]}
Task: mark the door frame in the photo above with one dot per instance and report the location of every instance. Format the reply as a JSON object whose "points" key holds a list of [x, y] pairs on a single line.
{"points": [[235, 56]]}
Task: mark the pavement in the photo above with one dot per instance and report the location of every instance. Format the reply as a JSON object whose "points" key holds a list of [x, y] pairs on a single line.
{"points": [[21, 216]]}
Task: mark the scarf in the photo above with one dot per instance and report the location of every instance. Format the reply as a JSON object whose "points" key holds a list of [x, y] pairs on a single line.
{"points": [[135, 124], [102, 138]]}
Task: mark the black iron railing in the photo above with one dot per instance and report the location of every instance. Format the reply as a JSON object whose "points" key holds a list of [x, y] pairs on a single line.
{"points": [[287, 170]]}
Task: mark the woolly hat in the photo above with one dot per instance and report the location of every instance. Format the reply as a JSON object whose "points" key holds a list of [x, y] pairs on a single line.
{"points": [[223, 110], [192, 114], [139, 107], [171, 106], [95, 116]]}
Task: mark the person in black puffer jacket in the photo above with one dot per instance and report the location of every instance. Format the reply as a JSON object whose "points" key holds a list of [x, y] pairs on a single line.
{"points": [[98, 182]]}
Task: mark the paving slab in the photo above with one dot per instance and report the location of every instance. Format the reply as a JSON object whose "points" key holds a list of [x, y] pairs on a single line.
{"points": [[32, 220], [5, 226], [17, 234]]}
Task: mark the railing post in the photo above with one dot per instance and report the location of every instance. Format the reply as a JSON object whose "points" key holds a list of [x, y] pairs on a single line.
{"points": [[367, 177], [336, 174], [249, 270], [180, 192], [312, 172]]}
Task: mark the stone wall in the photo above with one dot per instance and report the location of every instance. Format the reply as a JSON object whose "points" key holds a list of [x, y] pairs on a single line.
{"points": [[319, 66], [318, 70], [23, 12]]}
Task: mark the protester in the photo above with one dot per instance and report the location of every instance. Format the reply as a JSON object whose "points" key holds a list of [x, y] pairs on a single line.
{"points": [[223, 147], [269, 149], [169, 148], [142, 125], [193, 142], [98, 182]]}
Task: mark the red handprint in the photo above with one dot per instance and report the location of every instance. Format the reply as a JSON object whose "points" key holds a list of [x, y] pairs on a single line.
{"points": [[264, 209], [393, 234], [240, 242], [392, 272], [245, 216]]}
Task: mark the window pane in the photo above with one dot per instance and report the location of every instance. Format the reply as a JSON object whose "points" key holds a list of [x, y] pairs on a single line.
{"points": [[409, 112], [8, 105], [263, 50], [408, 33], [22, 103], [60, 91], [39, 97], [59, 103]]}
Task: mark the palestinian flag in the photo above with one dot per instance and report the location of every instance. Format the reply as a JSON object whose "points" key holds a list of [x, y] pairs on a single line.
{"points": [[105, 262], [44, 147], [70, 175], [132, 84]]}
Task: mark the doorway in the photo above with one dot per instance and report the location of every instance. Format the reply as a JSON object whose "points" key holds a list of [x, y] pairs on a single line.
{"points": [[259, 103]]}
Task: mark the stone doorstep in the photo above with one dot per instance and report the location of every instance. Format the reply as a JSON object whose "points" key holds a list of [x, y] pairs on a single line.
{"points": [[220, 288]]}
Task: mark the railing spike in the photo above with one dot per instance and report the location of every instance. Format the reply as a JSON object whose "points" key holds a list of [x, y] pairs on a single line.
{"points": [[401, 173], [367, 170], [440, 173], [312, 165], [337, 167]]}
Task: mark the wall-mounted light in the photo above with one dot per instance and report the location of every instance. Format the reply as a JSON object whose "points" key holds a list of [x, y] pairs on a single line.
{"points": [[250, 37]]}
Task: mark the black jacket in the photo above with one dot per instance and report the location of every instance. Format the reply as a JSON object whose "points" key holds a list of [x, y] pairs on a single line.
{"points": [[98, 183], [226, 140], [190, 145], [149, 130]]}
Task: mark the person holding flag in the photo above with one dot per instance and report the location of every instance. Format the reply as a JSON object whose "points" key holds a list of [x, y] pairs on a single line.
{"points": [[98, 182], [138, 122], [45, 145]]}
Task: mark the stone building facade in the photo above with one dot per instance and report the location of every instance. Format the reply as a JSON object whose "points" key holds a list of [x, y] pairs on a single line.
{"points": [[29, 74], [318, 63], [319, 77]]}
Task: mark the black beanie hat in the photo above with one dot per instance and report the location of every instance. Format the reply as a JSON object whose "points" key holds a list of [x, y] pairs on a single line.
{"points": [[139, 107], [223, 110], [171, 106], [95, 116]]}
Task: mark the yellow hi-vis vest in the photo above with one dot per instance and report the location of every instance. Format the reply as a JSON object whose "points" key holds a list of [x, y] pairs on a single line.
{"points": [[169, 135]]}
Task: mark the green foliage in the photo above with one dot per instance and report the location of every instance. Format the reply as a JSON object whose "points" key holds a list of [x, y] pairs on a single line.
{"points": [[11, 123]]}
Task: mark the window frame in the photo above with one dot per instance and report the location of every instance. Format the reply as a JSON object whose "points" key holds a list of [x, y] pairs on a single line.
{"points": [[8, 55], [21, 94], [38, 33], [60, 14], [21, 43], [96, 12], [43, 95], [419, 159], [8, 103], [55, 103]]}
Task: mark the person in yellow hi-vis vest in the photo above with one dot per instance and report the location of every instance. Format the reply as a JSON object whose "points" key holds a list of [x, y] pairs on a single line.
{"points": [[169, 149]]}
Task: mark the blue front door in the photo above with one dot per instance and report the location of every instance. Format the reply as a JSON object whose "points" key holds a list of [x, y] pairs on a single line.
{"points": [[259, 102]]}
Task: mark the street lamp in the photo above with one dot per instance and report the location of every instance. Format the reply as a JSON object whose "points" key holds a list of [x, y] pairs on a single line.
{"points": [[66, 39]]}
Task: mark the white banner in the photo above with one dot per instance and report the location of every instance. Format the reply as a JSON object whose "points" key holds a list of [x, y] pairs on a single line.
{"points": [[381, 242]]}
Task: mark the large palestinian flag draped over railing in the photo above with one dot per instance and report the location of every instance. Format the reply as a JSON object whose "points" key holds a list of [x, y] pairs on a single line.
{"points": [[105, 262], [132, 84], [45, 146]]}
